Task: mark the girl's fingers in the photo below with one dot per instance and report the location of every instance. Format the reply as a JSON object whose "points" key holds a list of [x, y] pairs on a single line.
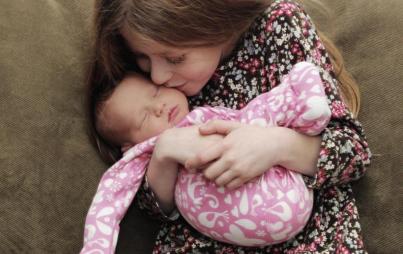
{"points": [[235, 183], [194, 170], [225, 178], [201, 159], [218, 127], [215, 170]]}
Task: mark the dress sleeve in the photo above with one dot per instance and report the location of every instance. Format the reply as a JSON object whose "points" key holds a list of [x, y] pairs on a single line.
{"points": [[147, 201], [292, 38]]}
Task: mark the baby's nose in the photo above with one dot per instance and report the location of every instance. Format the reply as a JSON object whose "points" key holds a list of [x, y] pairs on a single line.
{"points": [[159, 108]]}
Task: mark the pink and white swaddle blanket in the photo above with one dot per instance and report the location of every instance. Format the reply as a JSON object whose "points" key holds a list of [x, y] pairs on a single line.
{"points": [[271, 209]]}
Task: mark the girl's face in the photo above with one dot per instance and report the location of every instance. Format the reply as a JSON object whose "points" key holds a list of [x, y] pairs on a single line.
{"points": [[138, 110], [186, 69]]}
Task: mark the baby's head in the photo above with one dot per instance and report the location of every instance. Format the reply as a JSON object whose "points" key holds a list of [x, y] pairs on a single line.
{"points": [[136, 110]]}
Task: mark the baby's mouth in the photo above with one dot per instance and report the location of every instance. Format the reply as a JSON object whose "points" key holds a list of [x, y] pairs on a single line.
{"points": [[173, 113]]}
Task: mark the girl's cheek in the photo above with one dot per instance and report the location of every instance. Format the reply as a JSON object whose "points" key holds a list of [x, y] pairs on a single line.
{"points": [[196, 72]]}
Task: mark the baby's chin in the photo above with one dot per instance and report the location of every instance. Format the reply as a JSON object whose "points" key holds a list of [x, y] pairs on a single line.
{"points": [[181, 117]]}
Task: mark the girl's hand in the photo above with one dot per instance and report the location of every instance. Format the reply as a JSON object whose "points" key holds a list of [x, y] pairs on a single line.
{"points": [[180, 144], [246, 152], [174, 146]]}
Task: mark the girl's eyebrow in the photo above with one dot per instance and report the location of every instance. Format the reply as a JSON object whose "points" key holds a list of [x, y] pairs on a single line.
{"points": [[164, 53], [180, 52], [168, 53]]}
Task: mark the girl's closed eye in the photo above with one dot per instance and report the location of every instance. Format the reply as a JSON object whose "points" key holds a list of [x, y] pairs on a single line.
{"points": [[175, 60]]}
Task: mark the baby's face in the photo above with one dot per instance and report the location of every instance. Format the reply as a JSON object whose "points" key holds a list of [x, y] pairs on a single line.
{"points": [[139, 110]]}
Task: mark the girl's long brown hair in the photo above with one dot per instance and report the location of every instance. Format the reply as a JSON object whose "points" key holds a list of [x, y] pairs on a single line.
{"points": [[347, 85], [106, 68], [173, 23]]}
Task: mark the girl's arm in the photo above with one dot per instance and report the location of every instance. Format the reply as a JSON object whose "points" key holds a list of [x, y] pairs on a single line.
{"points": [[248, 151], [161, 176], [344, 153], [339, 156], [299, 152]]}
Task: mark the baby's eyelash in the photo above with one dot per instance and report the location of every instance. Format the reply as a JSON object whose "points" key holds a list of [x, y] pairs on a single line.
{"points": [[144, 119], [157, 90], [175, 60]]}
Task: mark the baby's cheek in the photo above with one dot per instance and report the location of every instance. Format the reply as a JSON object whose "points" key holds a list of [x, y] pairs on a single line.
{"points": [[160, 127]]}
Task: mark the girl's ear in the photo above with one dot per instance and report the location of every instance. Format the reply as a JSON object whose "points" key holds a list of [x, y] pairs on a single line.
{"points": [[126, 147]]}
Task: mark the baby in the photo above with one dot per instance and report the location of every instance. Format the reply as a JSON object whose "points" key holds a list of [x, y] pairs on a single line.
{"points": [[138, 110], [271, 210]]}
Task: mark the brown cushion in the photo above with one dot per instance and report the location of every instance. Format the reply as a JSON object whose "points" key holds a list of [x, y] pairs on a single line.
{"points": [[49, 172], [370, 35]]}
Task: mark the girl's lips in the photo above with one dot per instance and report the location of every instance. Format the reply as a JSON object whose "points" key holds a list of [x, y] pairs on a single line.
{"points": [[180, 87], [173, 113]]}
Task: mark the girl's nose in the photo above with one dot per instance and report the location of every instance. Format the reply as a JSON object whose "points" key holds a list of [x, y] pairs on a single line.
{"points": [[160, 72]]}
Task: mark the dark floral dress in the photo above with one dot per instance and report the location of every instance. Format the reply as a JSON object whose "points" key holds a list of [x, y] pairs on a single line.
{"points": [[279, 38]]}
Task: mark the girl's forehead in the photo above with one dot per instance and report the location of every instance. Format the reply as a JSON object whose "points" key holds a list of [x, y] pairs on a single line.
{"points": [[140, 43]]}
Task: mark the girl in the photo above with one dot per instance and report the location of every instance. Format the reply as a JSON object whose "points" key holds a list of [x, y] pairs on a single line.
{"points": [[225, 53]]}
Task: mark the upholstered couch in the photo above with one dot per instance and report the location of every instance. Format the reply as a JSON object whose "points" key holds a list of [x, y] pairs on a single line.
{"points": [[49, 171]]}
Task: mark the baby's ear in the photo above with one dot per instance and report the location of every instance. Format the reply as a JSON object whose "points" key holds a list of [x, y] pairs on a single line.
{"points": [[125, 147]]}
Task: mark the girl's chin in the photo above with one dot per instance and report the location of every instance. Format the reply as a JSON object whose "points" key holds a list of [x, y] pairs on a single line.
{"points": [[183, 89], [190, 92]]}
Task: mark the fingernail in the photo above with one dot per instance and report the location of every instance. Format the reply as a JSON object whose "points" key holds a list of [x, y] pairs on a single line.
{"points": [[188, 168]]}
